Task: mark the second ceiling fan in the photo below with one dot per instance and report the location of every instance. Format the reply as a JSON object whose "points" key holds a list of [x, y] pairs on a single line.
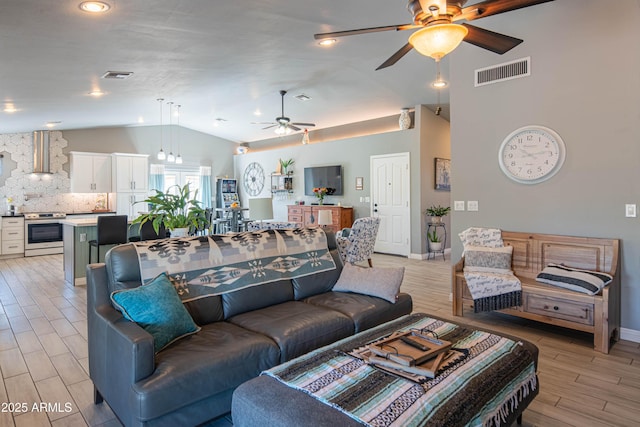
{"points": [[284, 124], [438, 35]]}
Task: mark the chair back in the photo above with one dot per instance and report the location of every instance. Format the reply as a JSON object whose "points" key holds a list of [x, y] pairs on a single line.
{"points": [[361, 240], [112, 229], [147, 232]]}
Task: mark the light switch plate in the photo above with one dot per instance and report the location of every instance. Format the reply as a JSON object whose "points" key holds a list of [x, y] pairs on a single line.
{"points": [[458, 205], [472, 205], [630, 210]]}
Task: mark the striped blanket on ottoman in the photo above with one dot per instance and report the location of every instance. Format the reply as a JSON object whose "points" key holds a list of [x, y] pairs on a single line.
{"points": [[484, 388]]}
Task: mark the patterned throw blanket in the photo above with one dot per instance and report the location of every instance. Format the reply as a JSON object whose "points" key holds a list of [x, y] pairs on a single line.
{"points": [[481, 389], [493, 290], [203, 266]]}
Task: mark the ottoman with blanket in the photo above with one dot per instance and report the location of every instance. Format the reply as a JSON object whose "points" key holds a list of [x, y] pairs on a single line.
{"points": [[487, 380], [216, 311]]}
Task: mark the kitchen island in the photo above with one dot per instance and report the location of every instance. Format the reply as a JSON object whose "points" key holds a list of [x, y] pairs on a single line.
{"points": [[76, 236]]}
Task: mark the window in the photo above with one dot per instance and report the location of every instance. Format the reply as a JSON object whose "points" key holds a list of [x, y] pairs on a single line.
{"points": [[180, 176]]}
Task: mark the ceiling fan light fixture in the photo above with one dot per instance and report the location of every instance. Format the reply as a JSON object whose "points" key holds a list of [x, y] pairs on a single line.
{"points": [[439, 84], [283, 129], [327, 42], [438, 40]]}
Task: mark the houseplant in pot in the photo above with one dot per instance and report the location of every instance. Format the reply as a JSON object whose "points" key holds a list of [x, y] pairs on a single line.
{"points": [[177, 209], [435, 242], [436, 213]]}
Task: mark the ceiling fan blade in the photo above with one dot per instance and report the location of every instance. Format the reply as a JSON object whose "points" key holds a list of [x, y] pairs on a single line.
{"points": [[262, 123], [495, 42], [269, 127], [295, 128], [304, 124], [396, 56], [363, 31], [494, 7]]}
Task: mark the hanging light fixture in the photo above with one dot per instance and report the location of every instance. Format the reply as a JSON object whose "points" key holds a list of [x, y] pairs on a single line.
{"points": [[170, 157], [178, 157], [161, 155], [440, 37]]}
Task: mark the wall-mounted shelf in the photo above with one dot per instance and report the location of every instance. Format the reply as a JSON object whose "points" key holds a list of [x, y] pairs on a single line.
{"points": [[281, 183]]}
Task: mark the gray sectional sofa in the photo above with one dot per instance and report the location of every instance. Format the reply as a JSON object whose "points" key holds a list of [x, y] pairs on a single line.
{"points": [[242, 333]]}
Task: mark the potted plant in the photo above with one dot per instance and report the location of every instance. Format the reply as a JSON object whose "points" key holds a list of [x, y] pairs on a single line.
{"points": [[436, 213], [435, 242], [177, 209], [284, 165]]}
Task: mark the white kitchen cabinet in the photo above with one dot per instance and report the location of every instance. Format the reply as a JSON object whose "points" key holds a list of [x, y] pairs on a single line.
{"points": [[130, 172], [90, 172], [12, 235], [127, 203]]}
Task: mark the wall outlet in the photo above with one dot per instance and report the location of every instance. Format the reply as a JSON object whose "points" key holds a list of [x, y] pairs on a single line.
{"points": [[630, 210], [83, 237], [458, 205], [472, 205]]}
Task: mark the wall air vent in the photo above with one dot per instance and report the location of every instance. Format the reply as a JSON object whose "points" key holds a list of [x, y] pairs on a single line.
{"points": [[501, 72], [118, 75]]}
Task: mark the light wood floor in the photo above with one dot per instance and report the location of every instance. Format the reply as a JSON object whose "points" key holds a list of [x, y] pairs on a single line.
{"points": [[43, 352]]}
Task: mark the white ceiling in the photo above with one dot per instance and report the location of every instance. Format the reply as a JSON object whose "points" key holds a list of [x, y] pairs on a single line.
{"points": [[217, 59]]}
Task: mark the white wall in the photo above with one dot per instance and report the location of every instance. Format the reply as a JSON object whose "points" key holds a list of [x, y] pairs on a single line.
{"points": [[584, 84]]}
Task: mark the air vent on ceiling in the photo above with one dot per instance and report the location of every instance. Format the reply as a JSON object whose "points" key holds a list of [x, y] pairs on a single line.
{"points": [[119, 75], [303, 97], [501, 72]]}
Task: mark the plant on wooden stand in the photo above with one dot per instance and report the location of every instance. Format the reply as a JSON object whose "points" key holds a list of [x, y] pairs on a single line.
{"points": [[435, 242], [176, 208]]}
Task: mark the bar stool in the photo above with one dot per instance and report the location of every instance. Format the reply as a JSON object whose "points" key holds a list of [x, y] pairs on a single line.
{"points": [[111, 230]]}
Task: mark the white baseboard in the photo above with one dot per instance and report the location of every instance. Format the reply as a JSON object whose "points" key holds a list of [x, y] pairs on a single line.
{"points": [[629, 335]]}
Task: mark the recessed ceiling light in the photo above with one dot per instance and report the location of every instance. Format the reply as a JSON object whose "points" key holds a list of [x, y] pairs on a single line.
{"points": [[327, 42], [94, 6], [52, 124], [217, 122], [257, 112], [140, 119], [10, 108], [96, 93]]}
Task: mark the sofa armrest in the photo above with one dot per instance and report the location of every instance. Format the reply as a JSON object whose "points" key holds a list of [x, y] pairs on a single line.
{"points": [[120, 352]]}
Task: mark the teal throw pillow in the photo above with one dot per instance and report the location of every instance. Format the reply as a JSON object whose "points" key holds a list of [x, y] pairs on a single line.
{"points": [[157, 308]]}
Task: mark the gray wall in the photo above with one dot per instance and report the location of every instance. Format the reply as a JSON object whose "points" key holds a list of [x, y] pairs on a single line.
{"points": [[428, 139], [584, 84], [196, 148]]}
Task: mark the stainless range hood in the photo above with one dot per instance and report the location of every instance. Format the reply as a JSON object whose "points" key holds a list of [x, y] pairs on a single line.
{"points": [[41, 152]]}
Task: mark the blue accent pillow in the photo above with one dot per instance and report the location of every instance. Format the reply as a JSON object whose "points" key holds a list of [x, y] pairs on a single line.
{"points": [[157, 308]]}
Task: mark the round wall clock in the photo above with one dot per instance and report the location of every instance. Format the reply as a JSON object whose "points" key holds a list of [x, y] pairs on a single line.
{"points": [[253, 179], [531, 154]]}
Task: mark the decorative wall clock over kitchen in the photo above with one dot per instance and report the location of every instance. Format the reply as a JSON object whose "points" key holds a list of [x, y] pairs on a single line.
{"points": [[531, 154], [253, 179]]}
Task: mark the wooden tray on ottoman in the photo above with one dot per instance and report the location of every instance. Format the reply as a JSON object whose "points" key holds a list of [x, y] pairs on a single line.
{"points": [[409, 348]]}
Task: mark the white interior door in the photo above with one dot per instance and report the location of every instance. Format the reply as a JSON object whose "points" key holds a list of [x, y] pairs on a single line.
{"points": [[390, 202]]}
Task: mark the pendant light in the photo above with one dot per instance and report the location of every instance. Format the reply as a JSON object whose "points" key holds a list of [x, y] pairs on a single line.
{"points": [[170, 157], [161, 155], [178, 157]]}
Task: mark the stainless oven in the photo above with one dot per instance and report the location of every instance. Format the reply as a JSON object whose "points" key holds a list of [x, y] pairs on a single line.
{"points": [[42, 233]]}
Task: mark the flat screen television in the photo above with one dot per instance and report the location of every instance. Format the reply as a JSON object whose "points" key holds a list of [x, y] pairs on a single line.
{"points": [[323, 176]]}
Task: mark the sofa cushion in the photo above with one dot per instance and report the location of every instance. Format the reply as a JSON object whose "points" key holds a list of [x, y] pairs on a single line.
{"points": [[256, 297], [218, 358], [377, 282], [365, 311], [157, 308], [318, 283], [296, 327]]}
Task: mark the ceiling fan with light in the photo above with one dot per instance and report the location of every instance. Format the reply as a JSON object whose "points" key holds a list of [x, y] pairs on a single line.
{"points": [[283, 124], [439, 35]]}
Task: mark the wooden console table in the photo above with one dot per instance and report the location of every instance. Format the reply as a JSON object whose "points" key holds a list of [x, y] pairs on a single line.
{"points": [[341, 216]]}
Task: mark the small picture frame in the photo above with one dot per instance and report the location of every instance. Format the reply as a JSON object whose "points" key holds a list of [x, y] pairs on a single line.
{"points": [[442, 174], [359, 183]]}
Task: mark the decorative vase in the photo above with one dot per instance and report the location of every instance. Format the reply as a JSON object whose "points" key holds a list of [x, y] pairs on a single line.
{"points": [[180, 232], [436, 220], [321, 201], [405, 119]]}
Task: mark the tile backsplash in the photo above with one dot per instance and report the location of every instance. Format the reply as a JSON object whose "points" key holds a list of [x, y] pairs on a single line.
{"points": [[39, 193]]}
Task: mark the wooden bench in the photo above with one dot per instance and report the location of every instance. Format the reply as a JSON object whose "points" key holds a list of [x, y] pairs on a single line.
{"points": [[598, 314]]}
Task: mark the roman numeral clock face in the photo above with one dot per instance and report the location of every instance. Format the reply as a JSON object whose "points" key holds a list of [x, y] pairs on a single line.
{"points": [[531, 154]]}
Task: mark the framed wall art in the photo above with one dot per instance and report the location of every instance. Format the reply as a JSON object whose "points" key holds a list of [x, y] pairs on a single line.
{"points": [[359, 183], [443, 174]]}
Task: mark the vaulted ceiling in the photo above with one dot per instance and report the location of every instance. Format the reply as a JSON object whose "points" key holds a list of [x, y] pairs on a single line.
{"points": [[220, 60]]}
